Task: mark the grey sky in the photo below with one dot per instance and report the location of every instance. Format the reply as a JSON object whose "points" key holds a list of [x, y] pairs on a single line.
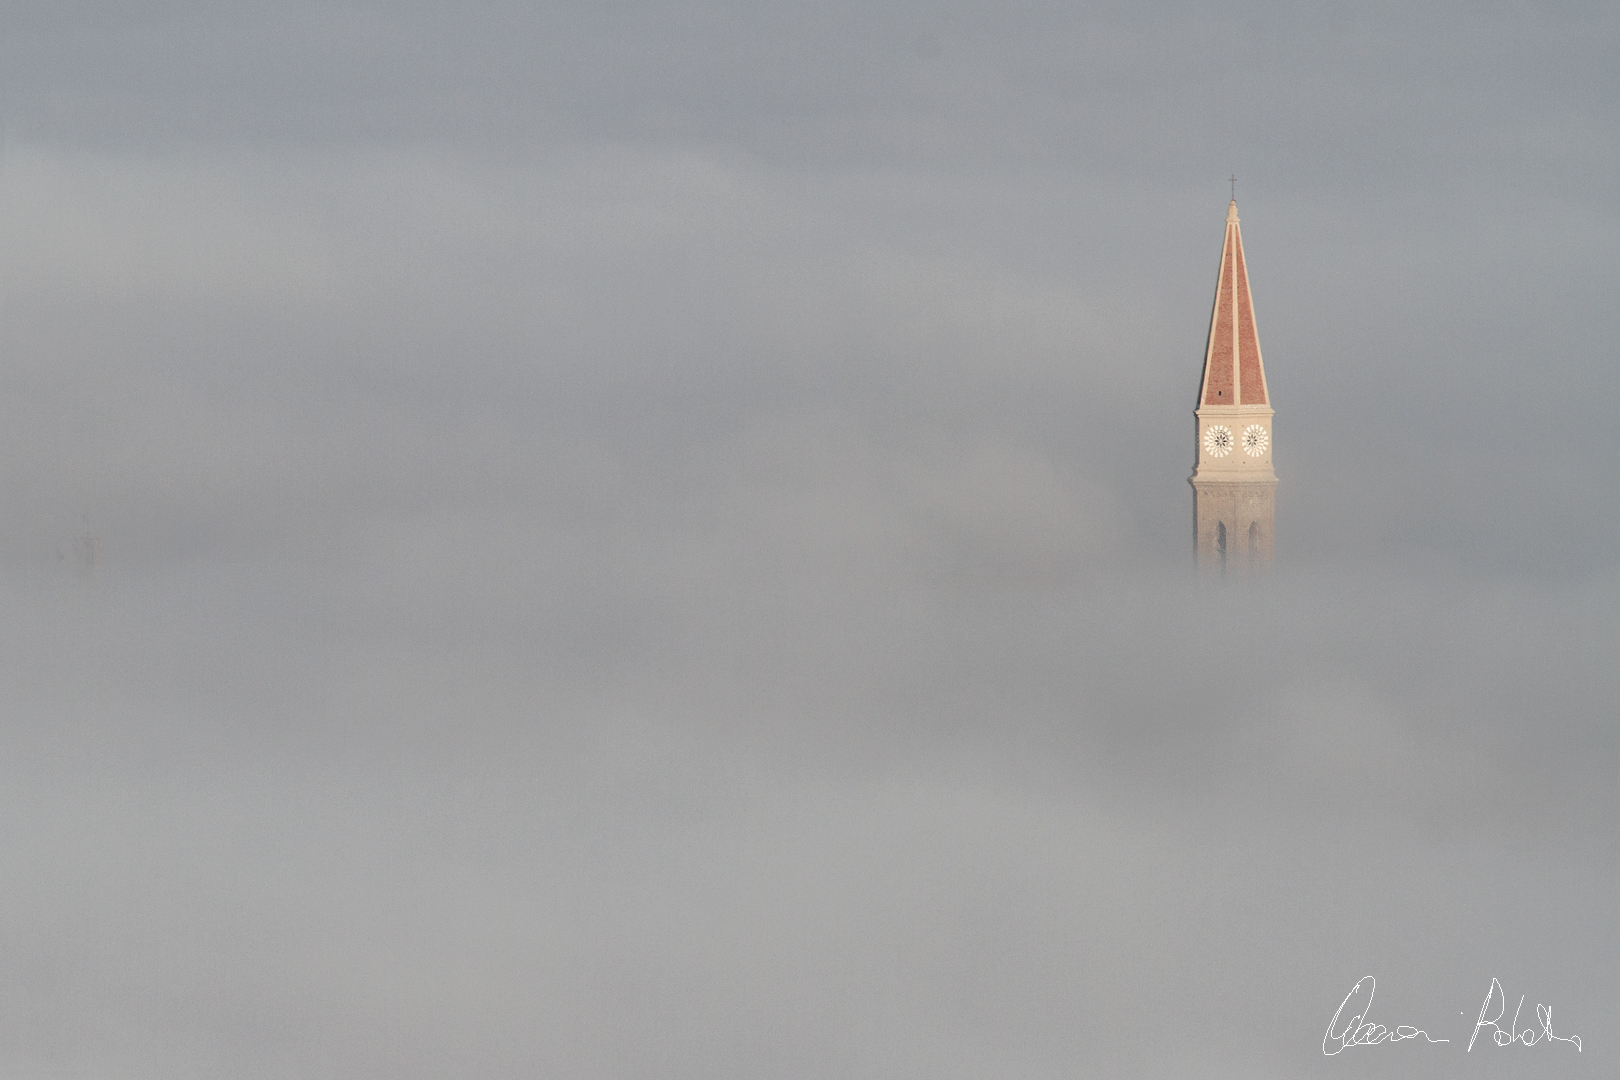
{"points": [[653, 541]]}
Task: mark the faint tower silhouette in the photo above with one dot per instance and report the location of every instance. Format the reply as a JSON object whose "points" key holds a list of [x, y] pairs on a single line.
{"points": [[87, 552]]}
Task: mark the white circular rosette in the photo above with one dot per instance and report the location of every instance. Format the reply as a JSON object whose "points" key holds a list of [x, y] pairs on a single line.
{"points": [[1217, 440], [1255, 440]]}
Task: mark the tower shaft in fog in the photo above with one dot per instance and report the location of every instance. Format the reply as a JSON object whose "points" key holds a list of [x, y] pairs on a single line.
{"points": [[1233, 482]]}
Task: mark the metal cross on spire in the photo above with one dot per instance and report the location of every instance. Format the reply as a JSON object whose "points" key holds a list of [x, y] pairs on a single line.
{"points": [[1234, 187]]}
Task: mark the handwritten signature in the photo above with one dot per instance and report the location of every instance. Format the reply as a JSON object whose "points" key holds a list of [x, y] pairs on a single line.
{"points": [[1359, 1030], [1529, 1036]]}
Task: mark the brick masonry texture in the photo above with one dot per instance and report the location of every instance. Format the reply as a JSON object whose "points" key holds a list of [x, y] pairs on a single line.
{"points": [[1253, 382], [1218, 377]]}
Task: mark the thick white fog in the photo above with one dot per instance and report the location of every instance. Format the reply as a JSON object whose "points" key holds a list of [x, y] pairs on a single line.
{"points": [[655, 543]]}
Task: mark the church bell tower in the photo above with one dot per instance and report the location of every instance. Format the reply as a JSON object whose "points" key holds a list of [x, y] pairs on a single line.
{"points": [[1233, 482]]}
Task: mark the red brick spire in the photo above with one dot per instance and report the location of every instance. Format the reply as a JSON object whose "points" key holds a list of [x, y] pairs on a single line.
{"points": [[1233, 374]]}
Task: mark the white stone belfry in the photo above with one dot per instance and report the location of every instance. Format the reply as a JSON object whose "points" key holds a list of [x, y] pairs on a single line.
{"points": [[1233, 482]]}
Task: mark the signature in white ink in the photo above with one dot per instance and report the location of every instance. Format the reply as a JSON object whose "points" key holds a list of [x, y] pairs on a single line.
{"points": [[1529, 1036], [1359, 1031]]}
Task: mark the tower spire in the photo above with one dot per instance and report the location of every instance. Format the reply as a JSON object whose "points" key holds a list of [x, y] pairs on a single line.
{"points": [[1233, 371], [1232, 480]]}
